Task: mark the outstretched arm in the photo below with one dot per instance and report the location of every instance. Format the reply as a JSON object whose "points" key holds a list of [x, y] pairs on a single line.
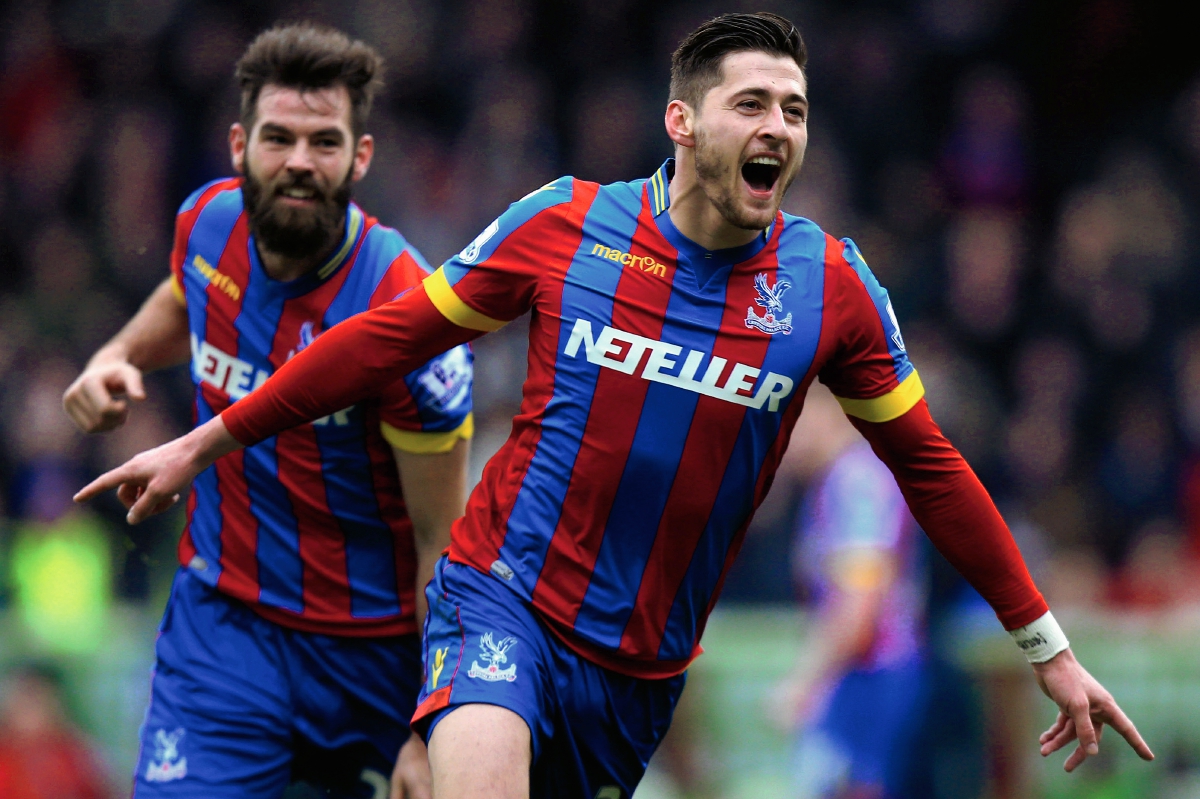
{"points": [[352, 361], [155, 338], [956, 512]]}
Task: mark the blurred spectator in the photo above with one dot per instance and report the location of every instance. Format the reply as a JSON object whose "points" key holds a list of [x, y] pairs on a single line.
{"points": [[985, 159], [42, 755]]}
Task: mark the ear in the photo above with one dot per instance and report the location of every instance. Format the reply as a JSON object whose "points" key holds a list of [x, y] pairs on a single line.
{"points": [[237, 147], [680, 122], [363, 153]]}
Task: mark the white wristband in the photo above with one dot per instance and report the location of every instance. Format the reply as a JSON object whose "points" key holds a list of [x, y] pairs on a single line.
{"points": [[1040, 640]]}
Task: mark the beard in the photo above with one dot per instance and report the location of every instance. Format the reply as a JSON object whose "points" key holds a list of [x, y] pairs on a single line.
{"points": [[297, 233], [718, 178]]}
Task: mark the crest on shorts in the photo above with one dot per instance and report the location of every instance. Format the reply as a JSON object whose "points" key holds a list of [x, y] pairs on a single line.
{"points": [[493, 654], [770, 298], [167, 765]]}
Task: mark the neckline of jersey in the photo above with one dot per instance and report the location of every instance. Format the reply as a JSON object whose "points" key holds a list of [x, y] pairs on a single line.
{"points": [[658, 194], [341, 256]]}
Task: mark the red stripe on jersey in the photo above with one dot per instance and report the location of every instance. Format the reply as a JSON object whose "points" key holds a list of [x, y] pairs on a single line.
{"points": [[326, 590], [403, 273], [239, 530], [222, 308], [480, 545], [185, 221], [711, 440], [388, 495], [639, 307], [322, 549], [850, 310], [187, 547]]}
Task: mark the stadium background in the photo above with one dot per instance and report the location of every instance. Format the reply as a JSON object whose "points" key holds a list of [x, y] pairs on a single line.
{"points": [[1022, 176]]}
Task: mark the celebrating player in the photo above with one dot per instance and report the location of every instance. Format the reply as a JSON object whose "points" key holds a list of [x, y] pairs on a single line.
{"points": [[289, 647], [676, 323]]}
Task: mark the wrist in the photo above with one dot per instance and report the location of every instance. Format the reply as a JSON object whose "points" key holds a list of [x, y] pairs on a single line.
{"points": [[1041, 639], [211, 441], [114, 352]]}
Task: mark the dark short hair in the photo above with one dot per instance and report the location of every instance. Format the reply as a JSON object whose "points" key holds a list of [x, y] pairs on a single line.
{"points": [[696, 63], [307, 56]]}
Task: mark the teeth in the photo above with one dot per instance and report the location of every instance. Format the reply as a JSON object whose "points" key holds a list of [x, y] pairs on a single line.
{"points": [[770, 160], [299, 194]]}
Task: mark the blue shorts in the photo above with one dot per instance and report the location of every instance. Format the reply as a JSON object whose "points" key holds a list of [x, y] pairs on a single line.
{"points": [[593, 729], [868, 733], [241, 706]]}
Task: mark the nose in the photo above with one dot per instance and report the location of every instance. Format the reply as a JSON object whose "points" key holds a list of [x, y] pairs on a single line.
{"points": [[300, 157], [774, 126]]}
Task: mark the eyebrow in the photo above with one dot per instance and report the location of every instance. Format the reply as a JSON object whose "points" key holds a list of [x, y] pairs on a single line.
{"points": [[762, 93], [270, 127]]}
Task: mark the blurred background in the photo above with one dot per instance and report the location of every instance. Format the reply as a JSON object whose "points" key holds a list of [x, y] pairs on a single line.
{"points": [[1022, 176]]}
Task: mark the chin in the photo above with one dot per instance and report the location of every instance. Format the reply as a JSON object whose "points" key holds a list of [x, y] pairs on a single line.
{"points": [[747, 217]]}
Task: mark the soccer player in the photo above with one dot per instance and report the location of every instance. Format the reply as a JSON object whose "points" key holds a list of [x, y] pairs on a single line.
{"points": [[860, 692], [289, 646], [676, 323]]}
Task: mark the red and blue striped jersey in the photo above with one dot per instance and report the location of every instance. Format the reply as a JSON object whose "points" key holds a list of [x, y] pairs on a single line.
{"points": [[664, 382], [308, 527]]}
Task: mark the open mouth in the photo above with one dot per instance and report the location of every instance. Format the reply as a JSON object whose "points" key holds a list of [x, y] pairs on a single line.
{"points": [[302, 193], [761, 172]]}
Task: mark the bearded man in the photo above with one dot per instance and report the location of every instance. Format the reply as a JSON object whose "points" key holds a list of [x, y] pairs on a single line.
{"points": [[289, 647]]}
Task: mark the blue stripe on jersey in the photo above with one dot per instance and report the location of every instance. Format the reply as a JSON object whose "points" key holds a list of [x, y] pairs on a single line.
{"points": [[280, 569], [194, 197], [382, 246], [588, 290], [693, 318], [349, 490], [211, 231], [520, 212], [883, 306], [802, 261], [205, 524]]}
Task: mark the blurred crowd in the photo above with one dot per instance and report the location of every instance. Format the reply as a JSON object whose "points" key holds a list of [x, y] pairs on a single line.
{"points": [[1021, 176]]}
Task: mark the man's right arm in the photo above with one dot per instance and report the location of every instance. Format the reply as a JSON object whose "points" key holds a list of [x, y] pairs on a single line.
{"points": [[155, 338], [491, 282]]}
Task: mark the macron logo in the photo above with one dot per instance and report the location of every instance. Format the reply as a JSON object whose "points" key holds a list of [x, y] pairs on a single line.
{"points": [[622, 351]]}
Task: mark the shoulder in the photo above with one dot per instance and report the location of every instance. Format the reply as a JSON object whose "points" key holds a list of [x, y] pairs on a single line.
{"points": [[223, 190], [554, 196]]}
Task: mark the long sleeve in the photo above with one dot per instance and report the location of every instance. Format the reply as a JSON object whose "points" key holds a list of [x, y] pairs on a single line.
{"points": [[880, 391], [955, 511], [352, 361]]}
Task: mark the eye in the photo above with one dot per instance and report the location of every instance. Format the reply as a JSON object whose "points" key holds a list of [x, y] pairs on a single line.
{"points": [[275, 138], [750, 105], [797, 113]]}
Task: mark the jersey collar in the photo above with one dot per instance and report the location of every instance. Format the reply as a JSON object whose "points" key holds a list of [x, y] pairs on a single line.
{"points": [[354, 225], [660, 201]]}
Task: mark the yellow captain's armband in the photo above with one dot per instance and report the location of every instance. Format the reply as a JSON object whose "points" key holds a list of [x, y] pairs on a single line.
{"points": [[420, 443], [177, 290], [891, 405], [454, 309]]}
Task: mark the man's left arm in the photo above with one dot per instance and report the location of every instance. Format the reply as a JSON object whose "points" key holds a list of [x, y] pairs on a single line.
{"points": [[961, 520], [877, 387]]}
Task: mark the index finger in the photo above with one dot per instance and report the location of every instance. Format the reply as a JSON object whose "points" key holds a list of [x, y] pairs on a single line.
{"points": [[1117, 719], [106, 481]]}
